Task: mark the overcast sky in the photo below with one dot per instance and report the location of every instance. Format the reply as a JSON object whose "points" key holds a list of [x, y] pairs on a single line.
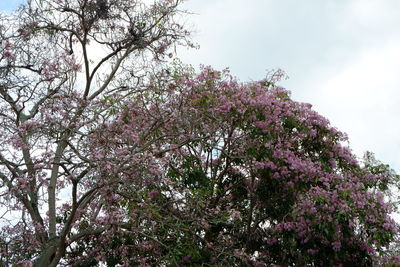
{"points": [[342, 56]]}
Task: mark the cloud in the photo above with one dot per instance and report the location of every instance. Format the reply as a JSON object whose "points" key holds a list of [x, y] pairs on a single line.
{"points": [[362, 98], [374, 14]]}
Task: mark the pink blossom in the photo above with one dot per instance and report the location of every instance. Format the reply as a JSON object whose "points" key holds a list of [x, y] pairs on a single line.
{"points": [[153, 193]]}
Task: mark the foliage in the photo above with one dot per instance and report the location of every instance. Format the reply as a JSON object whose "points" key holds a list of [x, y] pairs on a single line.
{"points": [[239, 174], [64, 68], [104, 159]]}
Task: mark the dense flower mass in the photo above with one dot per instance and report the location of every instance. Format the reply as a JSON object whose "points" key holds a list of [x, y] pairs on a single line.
{"points": [[237, 173]]}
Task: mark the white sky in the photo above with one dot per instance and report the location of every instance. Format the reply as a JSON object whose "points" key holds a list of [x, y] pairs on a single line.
{"points": [[342, 56]]}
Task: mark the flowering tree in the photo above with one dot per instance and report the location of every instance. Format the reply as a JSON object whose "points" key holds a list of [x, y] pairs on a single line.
{"points": [[105, 160], [235, 174], [62, 64]]}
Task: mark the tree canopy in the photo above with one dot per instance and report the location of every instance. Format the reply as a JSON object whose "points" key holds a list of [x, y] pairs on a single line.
{"points": [[111, 156]]}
